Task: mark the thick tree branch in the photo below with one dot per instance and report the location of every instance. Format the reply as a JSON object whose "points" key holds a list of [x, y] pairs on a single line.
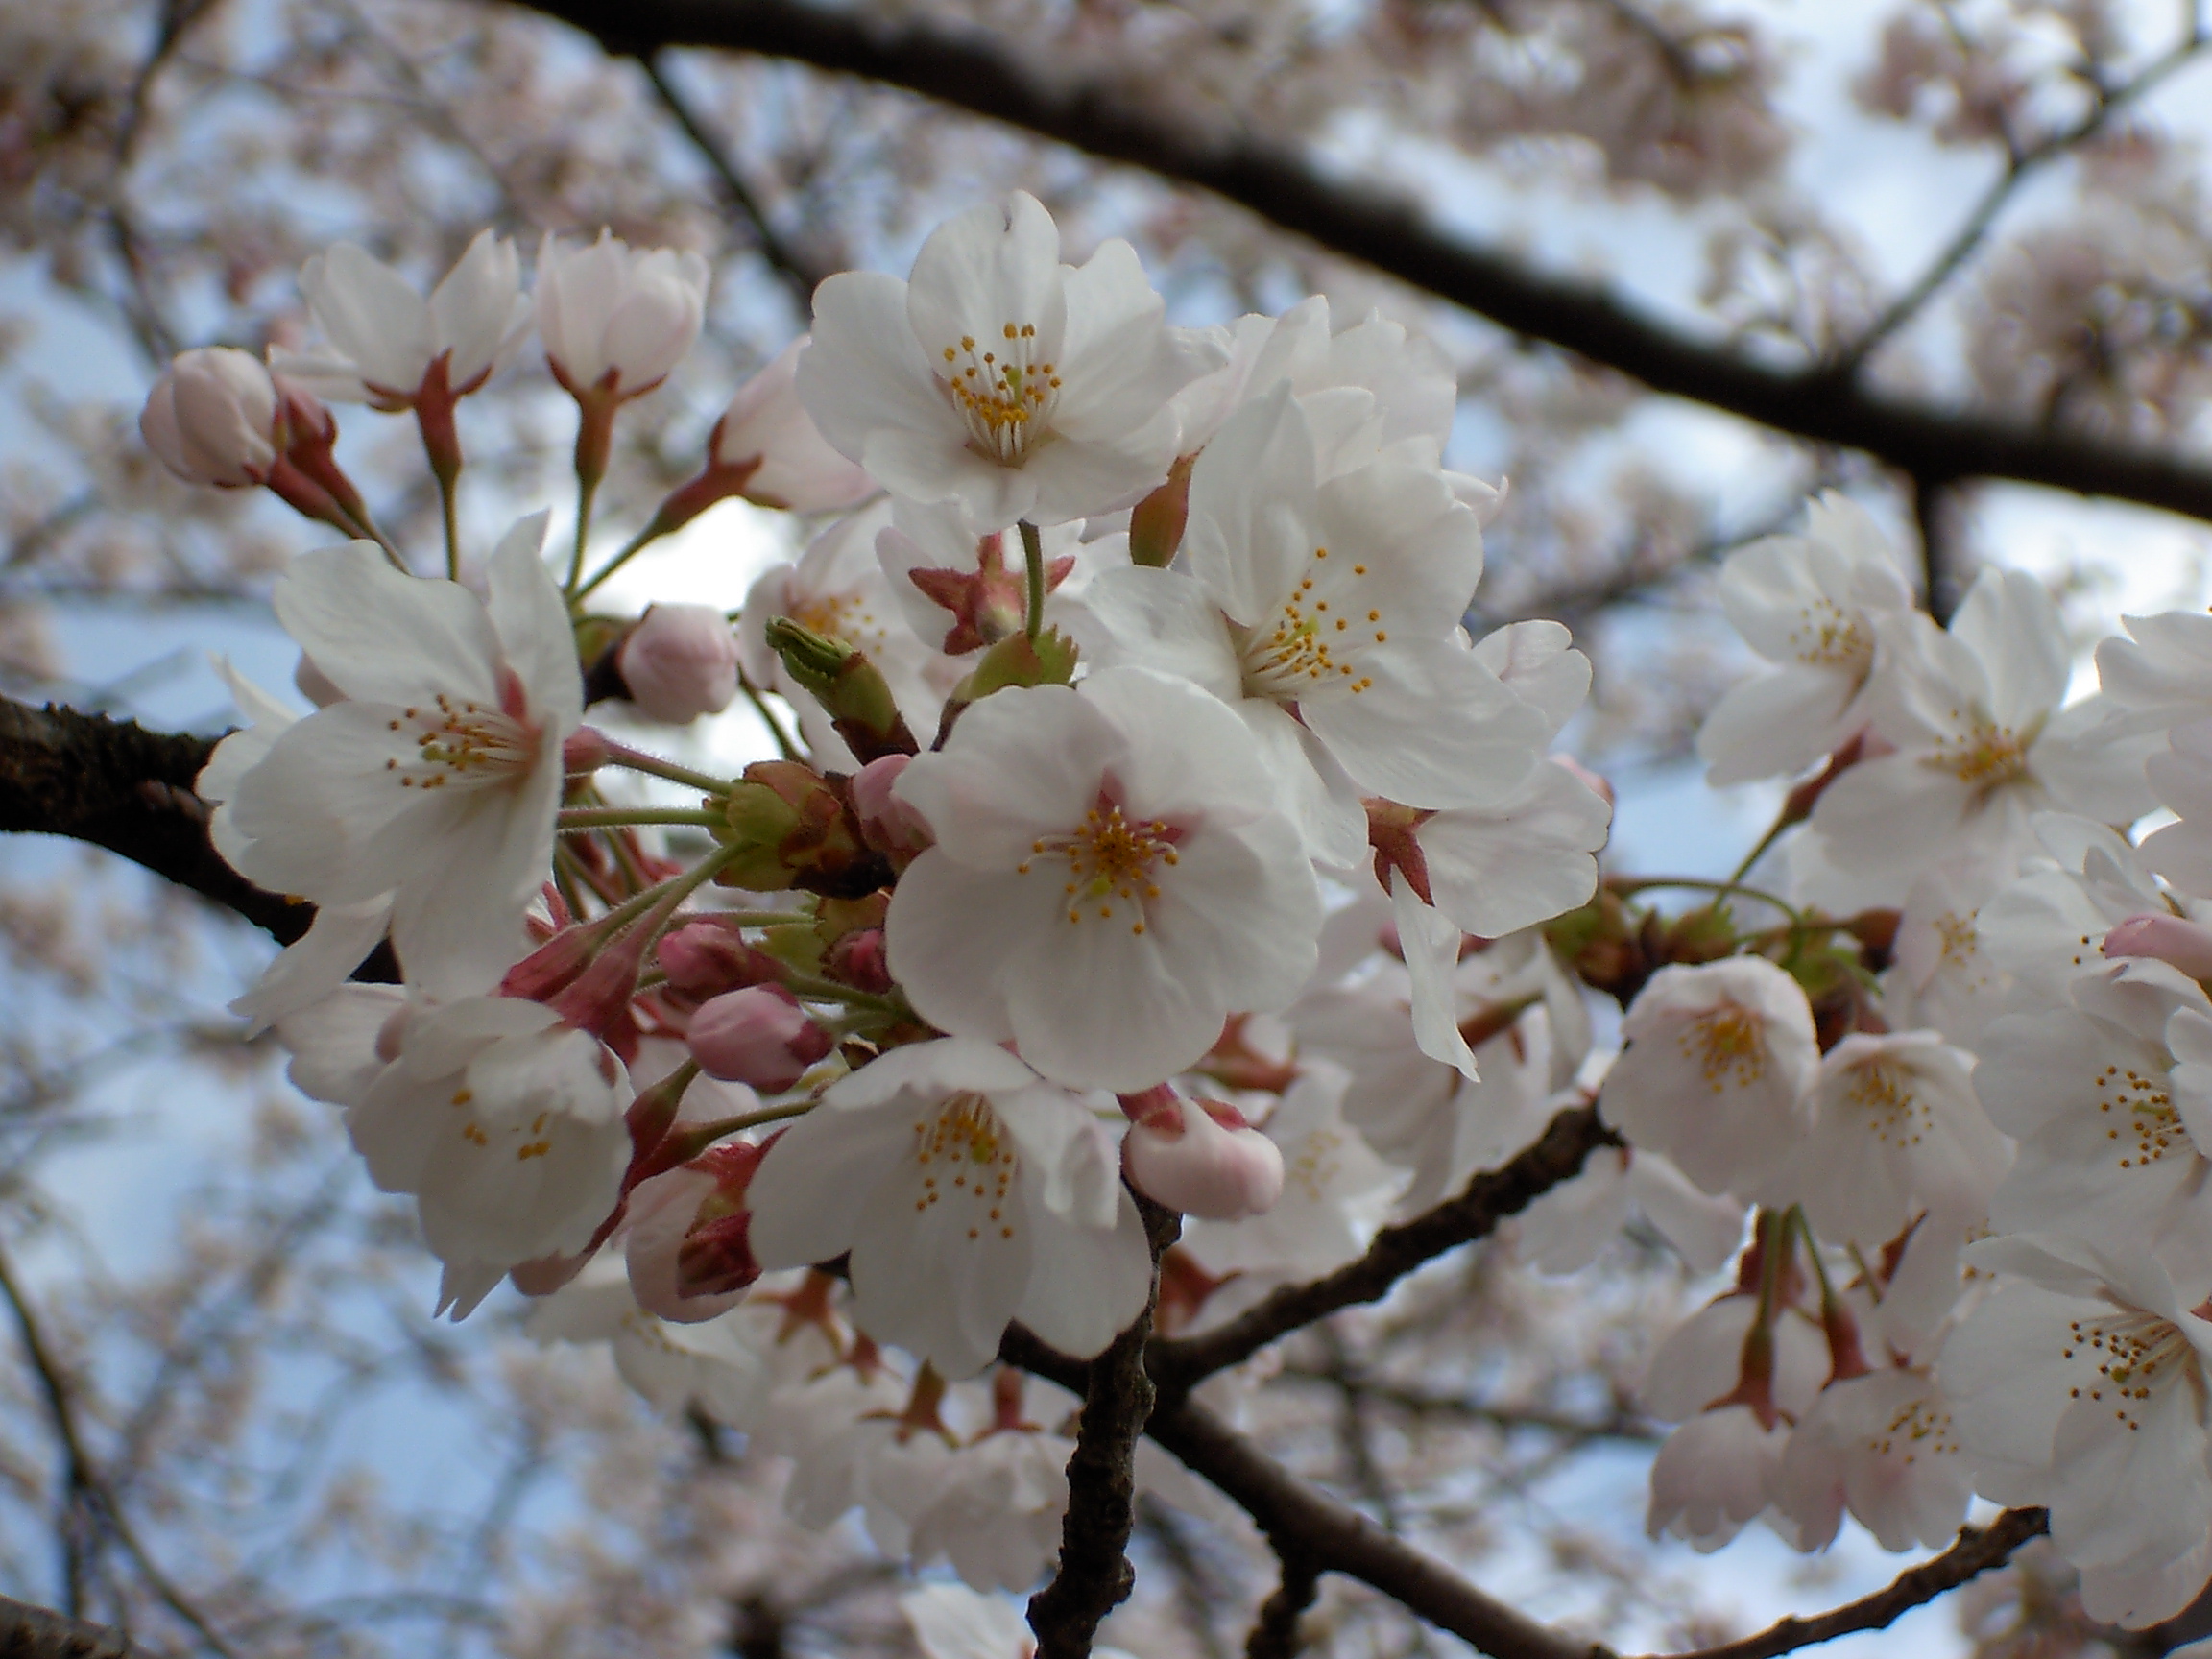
{"points": [[1553, 1157], [120, 786], [1094, 1576], [972, 73], [28, 1632]]}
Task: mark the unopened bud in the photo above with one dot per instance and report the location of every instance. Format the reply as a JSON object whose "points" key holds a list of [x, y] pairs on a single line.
{"points": [[689, 1251], [759, 1035], [859, 960], [797, 829], [709, 957], [2171, 939], [1201, 1158], [679, 663], [211, 418], [887, 823], [1156, 523], [584, 750]]}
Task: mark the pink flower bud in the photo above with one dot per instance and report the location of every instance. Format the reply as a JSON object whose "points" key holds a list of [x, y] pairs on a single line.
{"points": [[1202, 1158], [759, 1035], [887, 823], [2183, 944], [688, 1250], [612, 314], [679, 663], [585, 751], [707, 957], [859, 960], [211, 418]]}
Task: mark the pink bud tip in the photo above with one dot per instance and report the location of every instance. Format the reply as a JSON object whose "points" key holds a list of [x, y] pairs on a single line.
{"points": [[887, 823], [679, 663], [861, 961], [2185, 945], [584, 750], [759, 1035], [705, 957], [689, 1251], [1204, 1160]]}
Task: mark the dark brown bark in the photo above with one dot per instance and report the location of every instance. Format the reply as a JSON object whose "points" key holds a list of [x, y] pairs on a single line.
{"points": [[971, 72], [28, 1632]]}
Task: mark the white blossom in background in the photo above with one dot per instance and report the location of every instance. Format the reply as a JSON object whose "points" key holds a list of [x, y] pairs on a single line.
{"points": [[999, 377], [616, 319], [1112, 851], [383, 336], [1810, 605], [1980, 742], [766, 432]]}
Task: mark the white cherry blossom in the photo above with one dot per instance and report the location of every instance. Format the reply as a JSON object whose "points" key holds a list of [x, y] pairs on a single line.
{"points": [[1111, 880], [436, 777], [1718, 1060], [998, 376], [970, 1193], [2081, 1384], [1326, 613], [1808, 604], [384, 337], [616, 319], [1884, 1446]]}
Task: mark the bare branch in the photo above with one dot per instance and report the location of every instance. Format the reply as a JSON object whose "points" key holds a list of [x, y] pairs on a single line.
{"points": [[794, 268], [28, 1632], [1977, 1549], [1819, 403], [1094, 1576], [1275, 1634], [120, 786], [1554, 1155]]}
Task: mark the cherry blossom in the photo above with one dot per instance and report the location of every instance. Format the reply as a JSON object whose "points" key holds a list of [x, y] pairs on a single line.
{"points": [[436, 779], [679, 663], [1718, 1060], [970, 1192], [616, 319], [385, 338], [999, 377], [1112, 848]]}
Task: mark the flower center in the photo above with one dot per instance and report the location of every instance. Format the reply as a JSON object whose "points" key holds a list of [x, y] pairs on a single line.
{"points": [[1829, 637], [2134, 1352], [1918, 1426], [1894, 1114], [1314, 642], [1005, 395], [1987, 757], [1111, 861], [463, 743], [964, 1155], [1728, 1047], [2140, 1115], [843, 614]]}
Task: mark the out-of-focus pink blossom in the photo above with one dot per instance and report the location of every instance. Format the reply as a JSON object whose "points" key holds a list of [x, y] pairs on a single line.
{"points": [[2172, 940], [1201, 1158], [616, 319], [679, 663], [211, 418]]}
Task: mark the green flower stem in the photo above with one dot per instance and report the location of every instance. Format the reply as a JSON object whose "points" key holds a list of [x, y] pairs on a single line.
{"points": [[653, 766], [1033, 556], [573, 819]]}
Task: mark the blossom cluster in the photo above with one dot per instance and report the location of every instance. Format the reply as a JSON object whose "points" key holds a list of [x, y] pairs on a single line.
{"points": [[1150, 820], [1154, 840]]}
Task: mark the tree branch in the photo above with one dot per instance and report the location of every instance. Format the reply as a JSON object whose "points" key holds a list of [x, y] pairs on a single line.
{"points": [[1554, 1155], [1094, 1576], [1275, 1634], [28, 1632], [120, 786], [971, 72], [1977, 1549]]}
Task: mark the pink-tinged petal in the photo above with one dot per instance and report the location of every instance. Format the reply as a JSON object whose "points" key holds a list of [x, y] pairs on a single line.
{"points": [[1528, 857], [371, 314], [1314, 792], [949, 1066], [458, 925], [384, 637], [1095, 1005], [532, 622], [940, 1279], [1208, 773], [945, 947], [1538, 665], [319, 799], [1431, 945], [316, 964], [1077, 478], [1424, 551], [1773, 724], [333, 1041], [1252, 521], [1022, 763]]}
